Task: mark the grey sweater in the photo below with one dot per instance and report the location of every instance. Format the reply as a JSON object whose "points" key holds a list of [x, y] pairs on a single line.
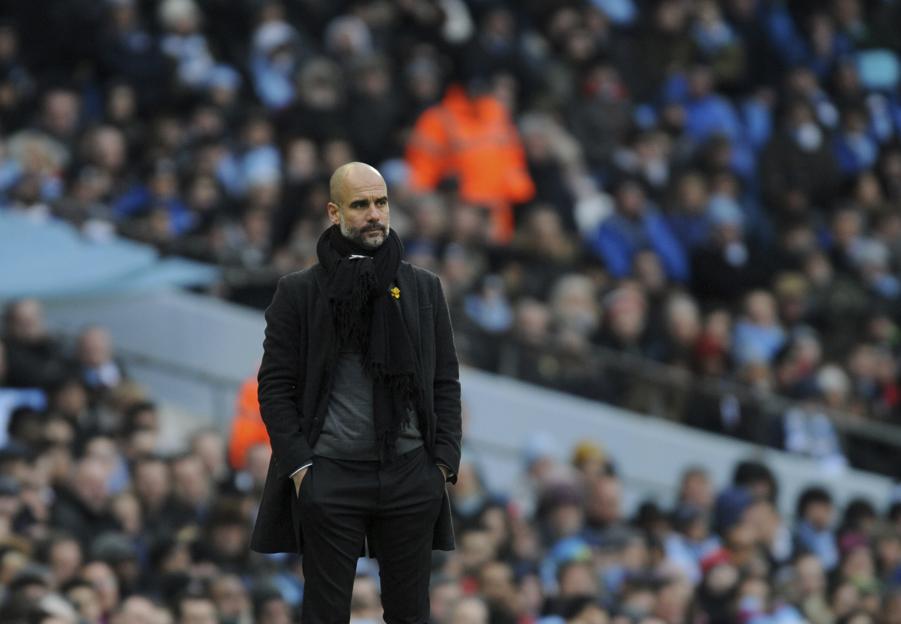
{"points": [[348, 431]]}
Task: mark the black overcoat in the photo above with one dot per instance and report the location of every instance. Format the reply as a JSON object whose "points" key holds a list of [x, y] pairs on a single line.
{"points": [[294, 396]]}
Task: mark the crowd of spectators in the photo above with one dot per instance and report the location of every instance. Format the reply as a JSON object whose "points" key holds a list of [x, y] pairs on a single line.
{"points": [[99, 526], [711, 185]]}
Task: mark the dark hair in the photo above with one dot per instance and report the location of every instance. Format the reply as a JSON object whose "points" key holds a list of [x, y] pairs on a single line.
{"points": [[851, 617], [76, 583], [21, 416], [131, 412], [191, 594], [143, 460], [8, 311], [647, 515], [45, 547], [894, 511], [811, 496], [572, 606], [750, 471], [264, 595], [566, 566], [857, 511]]}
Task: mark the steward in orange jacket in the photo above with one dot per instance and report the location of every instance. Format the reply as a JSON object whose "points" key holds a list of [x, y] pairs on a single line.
{"points": [[473, 139], [247, 428]]}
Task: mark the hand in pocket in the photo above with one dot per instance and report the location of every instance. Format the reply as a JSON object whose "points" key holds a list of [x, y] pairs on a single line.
{"points": [[298, 478]]}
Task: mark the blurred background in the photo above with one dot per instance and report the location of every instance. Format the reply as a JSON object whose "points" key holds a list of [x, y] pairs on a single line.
{"points": [[669, 232]]}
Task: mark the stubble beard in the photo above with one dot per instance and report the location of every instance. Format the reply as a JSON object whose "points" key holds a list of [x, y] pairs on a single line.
{"points": [[360, 235]]}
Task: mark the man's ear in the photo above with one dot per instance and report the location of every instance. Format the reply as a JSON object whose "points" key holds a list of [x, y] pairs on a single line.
{"points": [[332, 208]]}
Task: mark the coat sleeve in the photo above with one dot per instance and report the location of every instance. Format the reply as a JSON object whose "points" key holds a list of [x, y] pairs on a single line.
{"points": [[448, 410], [279, 379]]}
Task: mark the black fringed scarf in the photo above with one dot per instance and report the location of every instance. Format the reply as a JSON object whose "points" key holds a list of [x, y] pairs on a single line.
{"points": [[366, 317]]}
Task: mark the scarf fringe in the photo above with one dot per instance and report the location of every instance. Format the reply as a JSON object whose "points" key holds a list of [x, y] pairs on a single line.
{"points": [[348, 310]]}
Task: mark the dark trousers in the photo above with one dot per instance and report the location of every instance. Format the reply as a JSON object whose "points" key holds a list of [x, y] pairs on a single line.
{"points": [[398, 503]]}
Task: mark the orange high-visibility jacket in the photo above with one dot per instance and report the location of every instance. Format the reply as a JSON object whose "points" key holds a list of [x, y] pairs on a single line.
{"points": [[247, 427], [474, 140]]}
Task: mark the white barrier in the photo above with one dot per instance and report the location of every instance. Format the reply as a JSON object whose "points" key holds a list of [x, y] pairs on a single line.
{"points": [[170, 334]]}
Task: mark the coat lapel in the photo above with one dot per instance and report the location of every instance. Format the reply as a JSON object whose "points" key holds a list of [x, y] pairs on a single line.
{"points": [[409, 302], [322, 300]]}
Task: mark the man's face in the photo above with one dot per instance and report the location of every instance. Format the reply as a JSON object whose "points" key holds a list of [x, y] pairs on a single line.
{"points": [[137, 610], [191, 480], [27, 321], [199, 611], [86, 602], [230, 596], [361, 209], [819, 514], [275, 611], [631, 200], [152, 482], [96, 347]]}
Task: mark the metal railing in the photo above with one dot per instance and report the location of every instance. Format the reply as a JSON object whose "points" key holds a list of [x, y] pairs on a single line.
{"points": [[648, 387]]}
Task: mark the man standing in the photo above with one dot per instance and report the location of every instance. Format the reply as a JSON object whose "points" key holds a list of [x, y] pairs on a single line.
{"points": [[360, 393]]}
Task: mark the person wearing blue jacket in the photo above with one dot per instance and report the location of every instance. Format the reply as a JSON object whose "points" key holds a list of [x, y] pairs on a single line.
{"points": [[633, 227]]}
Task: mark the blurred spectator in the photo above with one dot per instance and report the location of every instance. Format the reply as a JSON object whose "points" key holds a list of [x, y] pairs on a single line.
{"points": [[275, 54], [683, 329], [625, 317], [687, 214], [489, 309], [469, 136], [157, 203], [815, 518], [319, 109], [374, 113], [555, 164], [798, 171], [469, 610], [247, 427], [807, 429], [541, 465], [100, 372], [728, 265], [83, 506], [184, 42], [13, 399], [128, 51], [530, 332], [758, 336], [544, 247], [599, 116], [636, 225], [195, 608], [34, 358]]}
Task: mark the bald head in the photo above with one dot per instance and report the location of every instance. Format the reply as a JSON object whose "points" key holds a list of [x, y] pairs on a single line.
{"points": [[359, 204], [350, 175]]}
